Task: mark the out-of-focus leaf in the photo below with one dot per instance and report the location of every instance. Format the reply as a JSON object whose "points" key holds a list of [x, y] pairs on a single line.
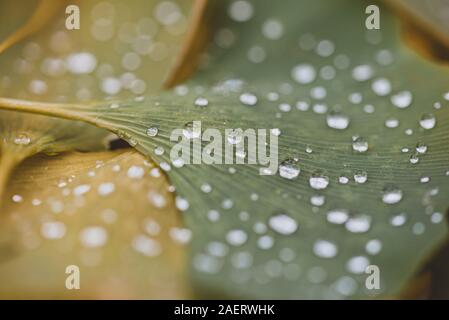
{"points": [[43, 12], [109, 213], [432, 16], [113, 54], [25, 135], [351, 113]]}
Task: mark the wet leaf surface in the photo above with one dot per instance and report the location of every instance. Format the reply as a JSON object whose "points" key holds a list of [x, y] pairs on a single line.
{"points": [[361, 140]]}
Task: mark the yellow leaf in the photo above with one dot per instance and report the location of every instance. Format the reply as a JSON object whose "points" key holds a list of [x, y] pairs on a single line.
{"points": [[109, 213]]}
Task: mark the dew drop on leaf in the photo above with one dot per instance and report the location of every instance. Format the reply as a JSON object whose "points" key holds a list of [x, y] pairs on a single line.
{"points": [[289, 169], [283, 224]]}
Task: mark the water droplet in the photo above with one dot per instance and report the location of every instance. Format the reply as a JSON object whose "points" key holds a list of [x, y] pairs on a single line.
{"points": [[303, 73], [285, 107], [81, 63], [424, 179], [325, 249], [135, 172], [182, 203], [359, 144], [302, 106], [81, 189], [265, 242], [318, 93], [241, 11], [152, 132], [337, 216], [398, 220], [317, 200], [402, 99], [337, 121], [358, 224], [93, 237], [234, 137], [53, 230], [427, 121], [318, 181], [362, 72], [276, 132], [357, 264], [17, 198], [181, 235], [206, 188], [106, 188], [289, 169], [283, 224], [272, 29], [325, 48], [360, 176], [22, 139], [156, 199], [373, 247], [392, 123], [414, 159], [248, 99], [236, 237], [201, 102], [191, 131], [392, 195], [421, 148], [146, 246], [381, 87], [346, 286], [343, 180]]}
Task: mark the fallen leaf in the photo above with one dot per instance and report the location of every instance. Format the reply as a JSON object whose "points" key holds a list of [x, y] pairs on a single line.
{"points": [[109, 213], [361, 142]]}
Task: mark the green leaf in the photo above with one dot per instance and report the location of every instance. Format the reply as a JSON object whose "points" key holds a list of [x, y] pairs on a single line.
{"points": [[392, 220]]}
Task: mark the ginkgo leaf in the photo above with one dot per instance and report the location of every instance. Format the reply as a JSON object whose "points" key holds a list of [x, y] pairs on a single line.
{"points": [[42, 13], [25, 135], [430, 16], [111, 214], [64, 69], [361, 142]]}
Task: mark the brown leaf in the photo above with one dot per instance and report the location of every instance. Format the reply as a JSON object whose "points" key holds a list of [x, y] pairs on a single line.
{"points": [[110, 213]]}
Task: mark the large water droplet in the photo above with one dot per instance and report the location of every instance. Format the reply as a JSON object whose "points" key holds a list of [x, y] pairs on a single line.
{"points": [[236, 237], [325, 249], [360, 176], [234, 137], [337, 121], [358, 224], [283, 224], [359, 144], [337, 216], [392, 195], [362, 72], [304, 73], [427, 121], [318, 181], [289, 169], [381, 86], [190, 131], [248, 99], [402, 99], [152, 132]]}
